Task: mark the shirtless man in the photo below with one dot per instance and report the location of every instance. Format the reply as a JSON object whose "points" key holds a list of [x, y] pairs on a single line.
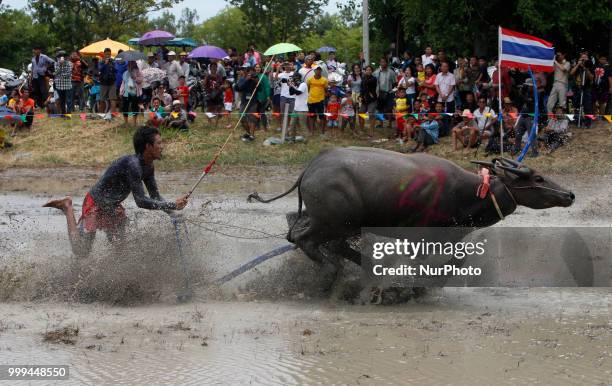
{"points": [[102, 207]]}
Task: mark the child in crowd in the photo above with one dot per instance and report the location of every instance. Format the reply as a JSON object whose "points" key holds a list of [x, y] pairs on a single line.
{"points": [[347, 113], [157, 113], [177, 118], [335, 90], [420, 73], [25, 106], [13, 100], [409, 128], [401, 109], [332, 109], [52, 100], [183, 92], [228, 101], [424, 98]]}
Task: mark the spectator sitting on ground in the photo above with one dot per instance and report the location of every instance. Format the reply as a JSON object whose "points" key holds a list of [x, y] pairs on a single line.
{"points": [[165, 98], [25, 106], [485, 118], [157, 113], [52, 101], [177, 118], [3, 97], [464, 130], [444, 121], [427, 134], [13, 100], [555, 131]]}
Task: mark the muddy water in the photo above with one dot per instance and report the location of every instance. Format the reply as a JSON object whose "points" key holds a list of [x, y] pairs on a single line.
{"points": [[272, 325]]}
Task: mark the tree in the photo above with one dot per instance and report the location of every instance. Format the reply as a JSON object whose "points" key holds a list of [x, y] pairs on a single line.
{"points": [[75, 23], [274, 21], [165, 22], [225, 29], [188, 22], [16, 52]]}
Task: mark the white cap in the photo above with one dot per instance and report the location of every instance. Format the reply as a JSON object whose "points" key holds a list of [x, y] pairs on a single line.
{"points": [[176, 102], [171, 53]]}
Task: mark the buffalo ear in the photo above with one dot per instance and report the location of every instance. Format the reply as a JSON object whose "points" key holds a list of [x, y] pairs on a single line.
{"points": [[488, 165]]}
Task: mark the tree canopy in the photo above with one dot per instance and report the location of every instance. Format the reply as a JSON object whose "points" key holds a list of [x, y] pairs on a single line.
{"points": [[458, 26]]}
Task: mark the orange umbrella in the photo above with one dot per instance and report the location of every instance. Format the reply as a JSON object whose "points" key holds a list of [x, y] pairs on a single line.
{"points": [[98, 47]]}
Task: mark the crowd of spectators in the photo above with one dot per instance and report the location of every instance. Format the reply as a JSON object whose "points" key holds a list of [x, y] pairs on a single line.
{"points": [[415, 98]]}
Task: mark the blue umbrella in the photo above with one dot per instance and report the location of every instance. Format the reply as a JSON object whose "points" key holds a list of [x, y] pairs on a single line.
{"points": [[326, 49]]}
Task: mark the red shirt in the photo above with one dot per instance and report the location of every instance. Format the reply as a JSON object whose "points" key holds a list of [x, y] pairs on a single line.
{"points": [[77, 71], [228, 95], [184, 93], [333, 109], [26, 105]]}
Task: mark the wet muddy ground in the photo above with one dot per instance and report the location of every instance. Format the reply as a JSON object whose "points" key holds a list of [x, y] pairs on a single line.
{"points": [[272, 325]]}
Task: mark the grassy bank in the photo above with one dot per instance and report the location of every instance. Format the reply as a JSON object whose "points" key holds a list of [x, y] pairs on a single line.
{"points": [[95, 143]]}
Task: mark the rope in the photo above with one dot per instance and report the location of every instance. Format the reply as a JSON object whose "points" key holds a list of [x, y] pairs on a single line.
{"points": [[267, 235]]}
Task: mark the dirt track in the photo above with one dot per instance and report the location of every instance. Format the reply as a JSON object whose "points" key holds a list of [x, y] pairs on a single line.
{"points": [[272, 322]]}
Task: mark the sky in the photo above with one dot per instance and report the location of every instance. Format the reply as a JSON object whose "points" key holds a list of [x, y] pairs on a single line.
{"points": [[205, 8]]}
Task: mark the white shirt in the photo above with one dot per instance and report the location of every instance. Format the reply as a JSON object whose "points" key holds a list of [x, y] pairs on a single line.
{"points": [[301, 101], [481, 119], [173, 71], [445, 83], [561, 71], [306, 73], [408, 84], [185, 68], [427, 59], [284, 85]]}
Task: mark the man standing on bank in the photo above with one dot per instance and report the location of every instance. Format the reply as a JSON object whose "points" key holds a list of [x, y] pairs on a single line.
{"points": [[102, 207]]}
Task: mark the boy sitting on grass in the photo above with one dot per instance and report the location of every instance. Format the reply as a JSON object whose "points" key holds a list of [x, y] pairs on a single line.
{"points": [[177, 118]]}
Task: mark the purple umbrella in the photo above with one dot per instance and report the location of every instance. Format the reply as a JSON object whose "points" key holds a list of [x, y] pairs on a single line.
{"points": [[155, 37], [210, 52]]}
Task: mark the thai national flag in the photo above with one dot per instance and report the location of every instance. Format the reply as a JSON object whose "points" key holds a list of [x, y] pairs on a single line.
{"points": [[523, 51]]}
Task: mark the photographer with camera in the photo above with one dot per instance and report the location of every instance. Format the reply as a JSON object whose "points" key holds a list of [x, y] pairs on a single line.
{"points": [[583, 74], [287, 100], [561, 77]]}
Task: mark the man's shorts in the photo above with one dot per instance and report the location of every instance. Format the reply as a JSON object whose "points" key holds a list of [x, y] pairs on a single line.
{"points": [[94, 218], [108, 92], [317, 108]]}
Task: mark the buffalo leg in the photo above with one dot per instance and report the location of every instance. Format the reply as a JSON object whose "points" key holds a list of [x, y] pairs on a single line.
{"points": [[341, 248]]}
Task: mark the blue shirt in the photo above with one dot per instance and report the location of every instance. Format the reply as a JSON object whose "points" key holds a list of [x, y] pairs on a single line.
{"points": [[39, 69], [431, 128], [119, 70]]}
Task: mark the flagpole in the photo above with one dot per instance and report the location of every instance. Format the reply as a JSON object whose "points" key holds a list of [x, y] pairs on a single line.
{"points": [[499, 94]]}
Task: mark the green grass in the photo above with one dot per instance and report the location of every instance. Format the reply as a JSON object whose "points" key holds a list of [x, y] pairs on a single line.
{"points": [[95, 143]]}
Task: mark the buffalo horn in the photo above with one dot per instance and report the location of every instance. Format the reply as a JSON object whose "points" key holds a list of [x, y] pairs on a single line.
{"points": [[522, 172], [488, 165]]}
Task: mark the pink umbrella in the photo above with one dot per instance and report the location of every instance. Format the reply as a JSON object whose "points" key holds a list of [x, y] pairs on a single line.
{"points": [[155, 37]]}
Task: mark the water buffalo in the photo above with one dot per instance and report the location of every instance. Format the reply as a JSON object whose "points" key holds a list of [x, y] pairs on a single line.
{"points": [[345, 189]]}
